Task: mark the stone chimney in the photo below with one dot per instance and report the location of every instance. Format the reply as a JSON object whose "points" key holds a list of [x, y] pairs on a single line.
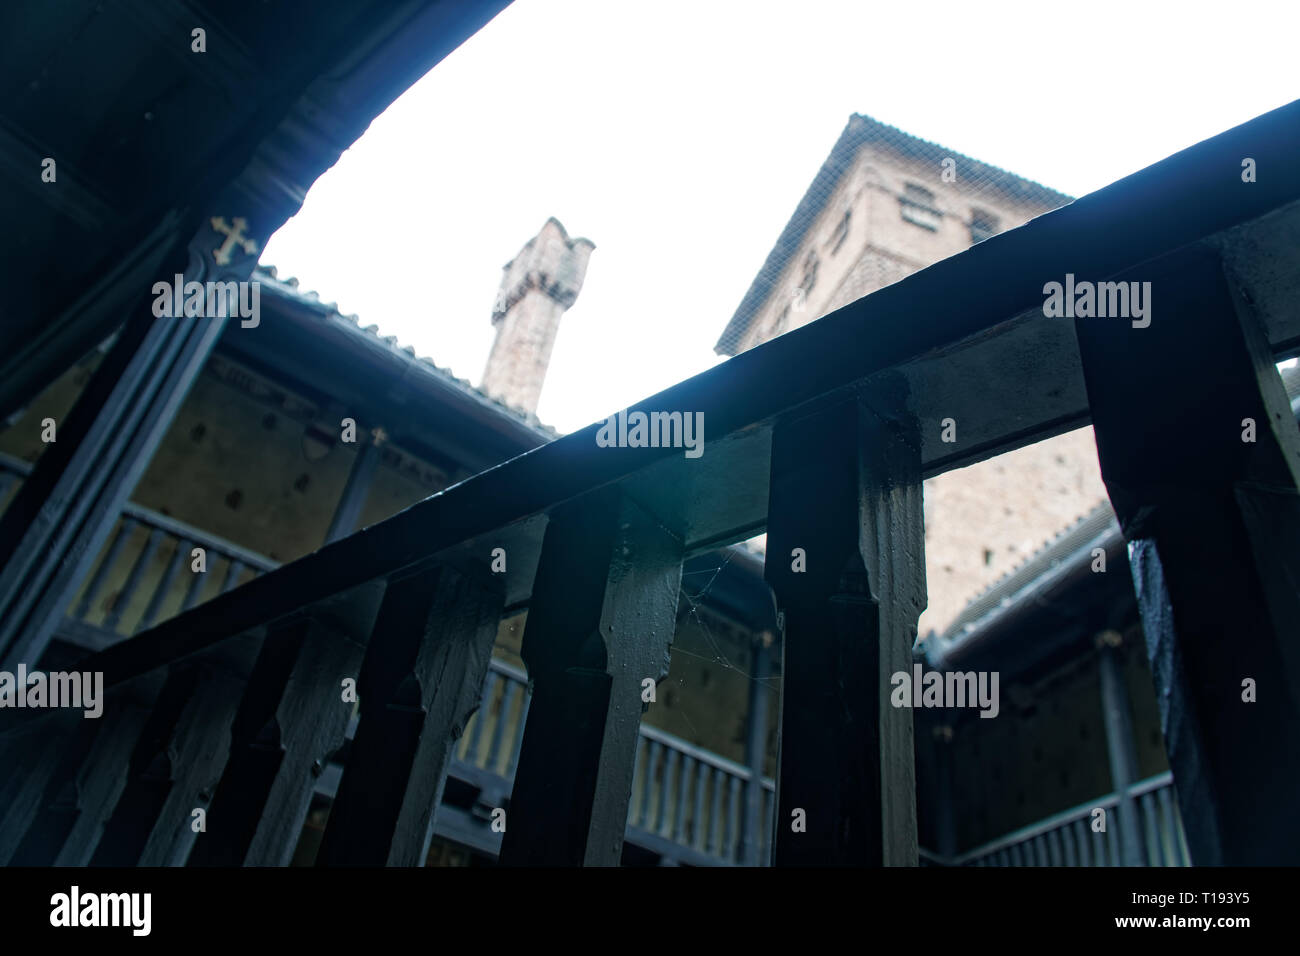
{"points": [[537, 287]]}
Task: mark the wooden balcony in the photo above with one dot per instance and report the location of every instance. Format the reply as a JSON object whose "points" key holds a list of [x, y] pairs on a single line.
{"points": [[822, 438], [1070, 838]]}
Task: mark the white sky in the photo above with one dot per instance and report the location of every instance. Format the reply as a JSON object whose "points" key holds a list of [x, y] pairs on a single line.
{"points": [[680, 136]]}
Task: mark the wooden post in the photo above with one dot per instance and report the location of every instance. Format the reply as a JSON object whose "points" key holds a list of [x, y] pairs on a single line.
{"points": [[1118, 719], [54, 528], [1201, 457], [600, 623], [425, 664], [755, 752], [845, 556], [352, 500]]}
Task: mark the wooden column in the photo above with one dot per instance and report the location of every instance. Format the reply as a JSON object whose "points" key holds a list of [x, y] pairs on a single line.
{"points": [[600, 622], [846, 493], [1118, 719], [1213, 524], [65, 510], [353, 499], [424, 669], [291, 719], [752, 821], [945, 782]]}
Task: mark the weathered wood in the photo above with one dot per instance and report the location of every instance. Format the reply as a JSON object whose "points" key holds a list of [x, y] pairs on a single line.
{"points": [[65, 510], [846, 492], [1213, 523], [201, 742], [291, 718], [149, 772], [601, 621], [425, 666], [33, 762], [102, 778]]}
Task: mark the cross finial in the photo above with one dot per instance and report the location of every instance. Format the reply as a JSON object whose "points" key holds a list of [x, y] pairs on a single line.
{"points": [[234, 236]]}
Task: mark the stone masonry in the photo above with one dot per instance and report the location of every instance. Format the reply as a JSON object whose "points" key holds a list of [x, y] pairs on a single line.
{"points": [[537, 287]]}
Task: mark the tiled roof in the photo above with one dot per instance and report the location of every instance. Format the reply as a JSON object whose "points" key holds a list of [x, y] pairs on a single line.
{"points": [[1003, 592], [289, 287]]}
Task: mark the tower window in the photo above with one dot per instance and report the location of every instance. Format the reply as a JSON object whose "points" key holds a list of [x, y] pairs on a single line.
{"points": [[841, 232], [917, 206]]}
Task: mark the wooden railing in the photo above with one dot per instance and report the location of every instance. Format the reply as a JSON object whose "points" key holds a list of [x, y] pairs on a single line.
{"points": [[822, 437], [145, 572], [1070, 838], [686, 801]]}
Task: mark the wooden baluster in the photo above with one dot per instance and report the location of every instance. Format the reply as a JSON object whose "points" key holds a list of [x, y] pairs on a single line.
{"points": [[233, 572], [602, 618], [124, 531], [133, 579], [1069, 841], [1147, 805], [1212, 519], [196, 585], [665, 788], [1169, 855], [128, 791], [291, 718], [149, 774], [35, 762], [1113, 825], [518, 731], [509, 693], [480, 717], [733, 820], [697, 818], [845, 556], [1083, 841], [164, 587], [683, 777], [1054, 852], [201, 741], [715, 816], [422, 681]]}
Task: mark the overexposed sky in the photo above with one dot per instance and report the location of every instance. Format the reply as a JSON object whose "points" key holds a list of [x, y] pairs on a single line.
{"points": [[679, 135]]}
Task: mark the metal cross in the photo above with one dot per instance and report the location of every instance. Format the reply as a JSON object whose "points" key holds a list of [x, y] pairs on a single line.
{"points": [[234, 237]]}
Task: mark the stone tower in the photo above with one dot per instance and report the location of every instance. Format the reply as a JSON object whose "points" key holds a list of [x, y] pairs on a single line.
{"points": [[538, 286]]}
